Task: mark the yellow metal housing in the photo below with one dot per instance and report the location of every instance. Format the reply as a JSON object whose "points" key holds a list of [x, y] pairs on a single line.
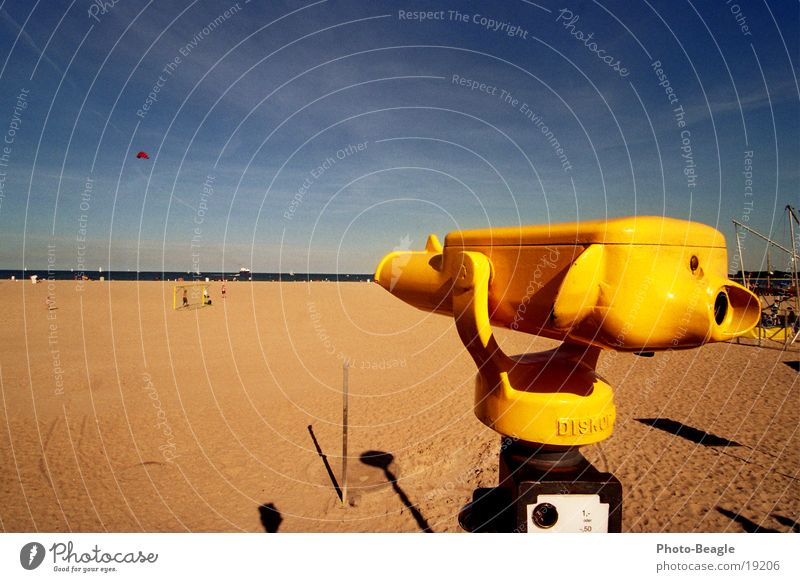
{"points": [[631, 284]]}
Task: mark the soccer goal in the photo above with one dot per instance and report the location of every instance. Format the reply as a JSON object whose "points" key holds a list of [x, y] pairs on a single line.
{"points": [[191, 295]]}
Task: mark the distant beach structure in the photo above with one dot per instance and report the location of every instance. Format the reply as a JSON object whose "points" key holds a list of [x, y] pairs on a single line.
{"points": [[778, 291], [191, 294]]}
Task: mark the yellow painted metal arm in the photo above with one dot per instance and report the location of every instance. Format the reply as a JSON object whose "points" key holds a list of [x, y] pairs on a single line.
{"points": [[471, 312], [552, 398]]}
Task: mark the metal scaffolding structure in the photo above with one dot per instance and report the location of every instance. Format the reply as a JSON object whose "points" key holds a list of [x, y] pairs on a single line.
{"points": [[794, 258]]}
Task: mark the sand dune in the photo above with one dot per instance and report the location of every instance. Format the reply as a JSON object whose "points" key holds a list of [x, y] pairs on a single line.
{"points": [[120, 414]]}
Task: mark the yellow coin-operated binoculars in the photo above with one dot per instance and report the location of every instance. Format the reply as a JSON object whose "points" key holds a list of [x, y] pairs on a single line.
{"points": [[638, 284]]}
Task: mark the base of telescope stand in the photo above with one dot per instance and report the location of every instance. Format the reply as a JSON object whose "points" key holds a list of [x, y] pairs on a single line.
{"points": [[543, 491]]}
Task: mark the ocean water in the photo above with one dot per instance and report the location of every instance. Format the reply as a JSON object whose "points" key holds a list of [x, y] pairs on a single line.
{"points": [[174, 275]]}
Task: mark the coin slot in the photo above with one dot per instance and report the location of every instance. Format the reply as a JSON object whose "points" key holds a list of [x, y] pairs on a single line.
{"points": [[545, 515]]}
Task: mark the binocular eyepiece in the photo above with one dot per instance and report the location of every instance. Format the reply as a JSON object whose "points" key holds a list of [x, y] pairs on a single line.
{"points": [[637, 284]]}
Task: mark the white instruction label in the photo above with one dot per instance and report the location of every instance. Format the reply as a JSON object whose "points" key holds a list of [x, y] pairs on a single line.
{"points": [[567, 514]]}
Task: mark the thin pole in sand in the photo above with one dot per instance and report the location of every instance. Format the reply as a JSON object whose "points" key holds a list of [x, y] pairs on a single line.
{"points": [[345, 389]]}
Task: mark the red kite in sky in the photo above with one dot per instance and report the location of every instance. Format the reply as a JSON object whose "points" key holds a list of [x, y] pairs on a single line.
{"points": [[142, 156]]}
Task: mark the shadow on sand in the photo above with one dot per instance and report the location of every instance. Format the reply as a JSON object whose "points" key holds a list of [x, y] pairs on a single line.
{"points": [[747, 525], [689, 433], [270, 517], [325, 462], [383, 461], [793, 526]]}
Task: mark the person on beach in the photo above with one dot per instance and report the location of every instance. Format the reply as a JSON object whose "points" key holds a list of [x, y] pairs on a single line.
{"points": [[223, 289], [206, 297], [185, 298]]}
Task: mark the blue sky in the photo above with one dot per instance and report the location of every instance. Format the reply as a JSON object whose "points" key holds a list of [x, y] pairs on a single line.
{"points": [[316, 136]]}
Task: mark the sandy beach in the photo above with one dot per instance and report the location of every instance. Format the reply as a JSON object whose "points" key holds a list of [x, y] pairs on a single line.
{"points": [[122, 414]]}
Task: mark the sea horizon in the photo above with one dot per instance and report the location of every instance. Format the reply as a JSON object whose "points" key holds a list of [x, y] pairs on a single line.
{"points": [[164, 275]]}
